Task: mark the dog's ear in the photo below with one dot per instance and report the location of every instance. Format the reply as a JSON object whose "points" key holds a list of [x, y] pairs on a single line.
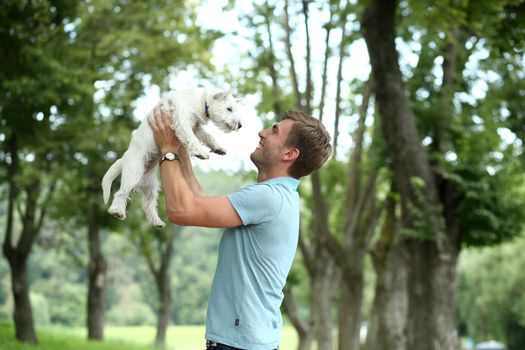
{"points": [[220, 96]]}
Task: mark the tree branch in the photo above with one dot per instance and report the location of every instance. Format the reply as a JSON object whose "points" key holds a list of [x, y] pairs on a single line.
{"points": [[292, 311], [362, 203], [273, 72], [325, 64], [308, 92], [145, 252], [354, 165], [342, 47], [44, 206], [293, 73], [307, 253]]}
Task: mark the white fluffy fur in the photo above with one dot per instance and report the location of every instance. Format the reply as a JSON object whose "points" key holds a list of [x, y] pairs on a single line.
{"points": [[139, 163]]}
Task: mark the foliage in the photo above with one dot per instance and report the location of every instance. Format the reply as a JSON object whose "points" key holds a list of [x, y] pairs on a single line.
{"points": [[491, 301], [465, 124]]}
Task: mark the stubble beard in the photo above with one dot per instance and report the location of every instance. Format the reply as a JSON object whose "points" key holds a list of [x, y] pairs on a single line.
{"points": [[259, 160]]}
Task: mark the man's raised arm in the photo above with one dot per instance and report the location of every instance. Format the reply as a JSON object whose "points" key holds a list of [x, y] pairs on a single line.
{"points": [[185, 203]]}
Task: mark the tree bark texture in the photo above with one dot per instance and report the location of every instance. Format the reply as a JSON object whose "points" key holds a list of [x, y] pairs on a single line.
{"points": [[321, 269], [350, 305], [431, 311], [387, 321], [23, 313], [321, 299]]}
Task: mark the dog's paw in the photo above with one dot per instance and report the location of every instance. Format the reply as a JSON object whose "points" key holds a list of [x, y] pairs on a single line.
{"points": [[117, 212], [159, 224], [219, 151], [201, 154]]}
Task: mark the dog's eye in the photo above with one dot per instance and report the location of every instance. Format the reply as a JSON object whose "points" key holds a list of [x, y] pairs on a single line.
{"points": [[230, 109]]}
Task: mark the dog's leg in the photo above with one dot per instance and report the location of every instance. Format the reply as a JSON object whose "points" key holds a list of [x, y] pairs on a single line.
{"points": [[149, 189], [193, 144], [132, 172], [209, 141]]}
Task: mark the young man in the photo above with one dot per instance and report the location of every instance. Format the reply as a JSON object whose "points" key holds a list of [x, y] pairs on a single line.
{"points": [[258, 245]]}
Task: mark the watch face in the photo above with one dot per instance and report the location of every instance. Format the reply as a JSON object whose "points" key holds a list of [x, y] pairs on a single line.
{"points": [[170, 156]]}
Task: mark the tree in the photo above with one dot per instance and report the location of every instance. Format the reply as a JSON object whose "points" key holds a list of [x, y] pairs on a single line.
{"points": [[124, 46], [433, 189], [35, 90]]}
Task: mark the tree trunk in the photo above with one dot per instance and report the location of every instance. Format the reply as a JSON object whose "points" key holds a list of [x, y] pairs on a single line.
{"points": [[387, 321], [163, 311], [162, 280], [322, 289], [96, 292], [97, 268], [350, 302], [322, 266], [17, 257], [431, 318], [23, 313]]}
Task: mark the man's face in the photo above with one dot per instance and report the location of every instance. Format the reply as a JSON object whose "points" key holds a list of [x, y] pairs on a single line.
{"points": [[271, 144]]}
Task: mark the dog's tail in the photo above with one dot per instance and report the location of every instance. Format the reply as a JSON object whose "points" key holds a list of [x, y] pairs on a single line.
{"points": [[114, 170]]}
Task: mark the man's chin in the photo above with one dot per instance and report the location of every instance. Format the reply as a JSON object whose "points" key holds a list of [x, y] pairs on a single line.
{"points": [[254, 158]]}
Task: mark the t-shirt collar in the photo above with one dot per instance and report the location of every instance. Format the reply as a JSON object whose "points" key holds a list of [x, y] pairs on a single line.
{"points": [[286, 181]]}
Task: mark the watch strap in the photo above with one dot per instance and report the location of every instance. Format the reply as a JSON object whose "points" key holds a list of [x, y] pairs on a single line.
{"points": [[165, 157]]}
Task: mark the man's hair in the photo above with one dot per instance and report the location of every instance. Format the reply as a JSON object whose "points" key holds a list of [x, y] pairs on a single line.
{"points": [[312, 140]]}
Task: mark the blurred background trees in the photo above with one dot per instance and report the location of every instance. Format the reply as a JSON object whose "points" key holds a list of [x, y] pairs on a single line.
{"points": [[428, 164]]}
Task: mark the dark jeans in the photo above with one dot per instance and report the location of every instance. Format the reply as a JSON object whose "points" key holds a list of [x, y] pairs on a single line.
{"points": [[211, 345]]}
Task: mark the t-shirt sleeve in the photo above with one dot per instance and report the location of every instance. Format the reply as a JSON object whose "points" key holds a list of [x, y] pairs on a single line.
{"points": [[256, 204]]}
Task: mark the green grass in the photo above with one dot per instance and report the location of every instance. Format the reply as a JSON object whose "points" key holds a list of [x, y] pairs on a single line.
{"points": [[120, 338]]}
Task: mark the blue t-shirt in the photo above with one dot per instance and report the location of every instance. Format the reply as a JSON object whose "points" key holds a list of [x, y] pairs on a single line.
{"points": [[253, 263]]}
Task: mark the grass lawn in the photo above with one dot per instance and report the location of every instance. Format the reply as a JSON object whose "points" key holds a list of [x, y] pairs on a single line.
{"points": [[120, 338]]}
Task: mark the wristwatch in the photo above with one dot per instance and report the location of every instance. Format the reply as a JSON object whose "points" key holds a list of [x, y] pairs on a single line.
{"points": [[169, 156]]}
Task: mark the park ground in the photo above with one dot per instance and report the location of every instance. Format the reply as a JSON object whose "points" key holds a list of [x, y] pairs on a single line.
{"points": [[120, 338]]}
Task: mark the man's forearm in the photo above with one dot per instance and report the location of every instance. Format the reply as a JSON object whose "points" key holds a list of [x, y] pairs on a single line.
{"points": [[178, 195], [189, 175]]}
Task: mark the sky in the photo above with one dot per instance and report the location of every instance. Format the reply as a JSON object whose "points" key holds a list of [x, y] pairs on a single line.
{"points": [[231, 51]]}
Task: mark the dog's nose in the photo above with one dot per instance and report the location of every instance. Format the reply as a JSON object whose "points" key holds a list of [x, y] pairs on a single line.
{"points": [[240, 126]]}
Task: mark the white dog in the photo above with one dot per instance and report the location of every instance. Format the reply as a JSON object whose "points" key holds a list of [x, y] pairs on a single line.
{"points": [[189, 110]]}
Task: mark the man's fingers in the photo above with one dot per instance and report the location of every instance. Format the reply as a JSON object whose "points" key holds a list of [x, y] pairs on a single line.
{"points": [[157, 113], [152, 122], [158, 120]]}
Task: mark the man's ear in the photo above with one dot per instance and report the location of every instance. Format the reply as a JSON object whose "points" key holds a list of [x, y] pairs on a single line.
{"points": [[291, 153]]}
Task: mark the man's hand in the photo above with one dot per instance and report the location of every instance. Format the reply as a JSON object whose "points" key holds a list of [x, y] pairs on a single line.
{"points": [[165, 138]]}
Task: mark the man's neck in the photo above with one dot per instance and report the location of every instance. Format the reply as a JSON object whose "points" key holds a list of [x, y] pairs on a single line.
{"points": [[263, 176]]}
